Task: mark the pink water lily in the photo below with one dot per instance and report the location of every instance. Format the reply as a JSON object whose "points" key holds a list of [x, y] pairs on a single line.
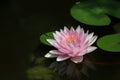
{"points": [[71, 44]]}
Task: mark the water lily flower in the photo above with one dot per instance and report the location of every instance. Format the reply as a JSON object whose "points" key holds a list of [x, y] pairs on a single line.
{"points": [[71, 44]]}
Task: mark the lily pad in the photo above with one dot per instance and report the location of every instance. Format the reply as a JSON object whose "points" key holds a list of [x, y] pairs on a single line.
{"points": [[89, 14], [44, 37], [110, 42], [95, 12], [113, 9]]}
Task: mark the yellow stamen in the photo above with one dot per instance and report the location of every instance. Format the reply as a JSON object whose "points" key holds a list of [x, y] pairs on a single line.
{"points": [[70, 39]]}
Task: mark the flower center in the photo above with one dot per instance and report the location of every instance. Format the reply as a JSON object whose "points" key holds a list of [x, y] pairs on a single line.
{"points": [[70, 39]]}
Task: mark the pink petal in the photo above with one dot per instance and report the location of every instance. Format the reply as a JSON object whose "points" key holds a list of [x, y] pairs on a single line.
{"points": [[57, 38], [58, 33], [78, 29], [55, 52], [87, 32], [83, 52], [49, 55], [62, 58], [66, 32], [53, 42], [90, 49], [72, 30], [80, 34], [82, 37], [70, 45], [89, 37], [77, 59], [83, 42], [92, 40], [65, 29], [62, 32], [63, 47], [64, 50]]}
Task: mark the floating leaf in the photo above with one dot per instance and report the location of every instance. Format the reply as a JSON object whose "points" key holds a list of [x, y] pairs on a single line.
{"points": [[95, 12], [90, 14], [44, 37], [113, 9], [110, 43]]}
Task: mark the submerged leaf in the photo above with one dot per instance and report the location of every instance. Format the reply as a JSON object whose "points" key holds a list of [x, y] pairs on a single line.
{"points": [[41, 73], [40, 60]]}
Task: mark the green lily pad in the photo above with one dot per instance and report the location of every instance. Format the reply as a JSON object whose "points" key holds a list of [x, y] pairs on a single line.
{"points": [[113, 8], [115, 13], [89, 14], [44, 37], [110, 42], [95, 12]]}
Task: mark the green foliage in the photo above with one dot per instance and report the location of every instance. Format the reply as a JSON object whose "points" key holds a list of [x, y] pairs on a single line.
{"points": [[96, 12], [40, 60], [110, 42], [44, 37], [43, 61], [41, 70], [113, 8], [41, 73]]}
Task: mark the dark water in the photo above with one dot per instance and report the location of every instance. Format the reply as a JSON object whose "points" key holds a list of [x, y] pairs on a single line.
{"points": [[22, 22]]}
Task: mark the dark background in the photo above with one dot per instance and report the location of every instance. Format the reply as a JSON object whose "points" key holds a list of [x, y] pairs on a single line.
{"points": [[21, 23]]}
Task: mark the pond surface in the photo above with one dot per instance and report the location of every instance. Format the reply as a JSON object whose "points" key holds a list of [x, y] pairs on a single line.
{"points": [[22, 22]]}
